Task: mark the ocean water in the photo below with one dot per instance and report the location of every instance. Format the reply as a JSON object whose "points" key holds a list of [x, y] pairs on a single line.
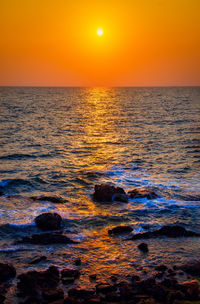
{"points": [[63, 141]]}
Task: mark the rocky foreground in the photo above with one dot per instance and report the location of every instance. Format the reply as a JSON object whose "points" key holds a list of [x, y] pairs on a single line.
{"points": [[47, 286], [56, 285]]}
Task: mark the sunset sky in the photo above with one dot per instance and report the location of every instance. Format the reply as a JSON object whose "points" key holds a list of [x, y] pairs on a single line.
{"points": [[142, 43]]}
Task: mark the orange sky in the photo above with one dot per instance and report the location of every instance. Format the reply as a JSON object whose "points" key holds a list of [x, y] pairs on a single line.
{"points": [[145, 42]]}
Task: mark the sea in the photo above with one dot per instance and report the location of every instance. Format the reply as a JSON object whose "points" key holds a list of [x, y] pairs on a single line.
{"points": [[64, 141]]}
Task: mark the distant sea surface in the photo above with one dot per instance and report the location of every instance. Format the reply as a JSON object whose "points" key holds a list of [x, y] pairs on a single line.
{"points": [[63, 141]]}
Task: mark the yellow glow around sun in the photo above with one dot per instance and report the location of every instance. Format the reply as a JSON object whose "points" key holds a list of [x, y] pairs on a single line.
{"points": [[99, 32]]}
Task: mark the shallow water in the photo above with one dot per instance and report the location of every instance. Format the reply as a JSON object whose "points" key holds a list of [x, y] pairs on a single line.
{"points": [[63, 141]]}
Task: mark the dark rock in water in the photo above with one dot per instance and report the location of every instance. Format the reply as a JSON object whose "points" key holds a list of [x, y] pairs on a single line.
{"points": [[161, 268], [1, 193], [169, 231], [48, 221], [143, 247], [105, 288], [120, 230], [93, 276], [191, 289], [107, 193], [2, 298], [52, 295], [192, 268], [52, 199], [33, 282], [141, 193], [77, 262], [69, 275], [81, 293], [46, 238], [38, 259], [7, 272], [31, 300]]}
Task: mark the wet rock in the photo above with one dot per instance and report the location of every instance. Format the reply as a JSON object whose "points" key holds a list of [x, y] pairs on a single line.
{"points": [[52, 295], [37, 260], [192, 268], [77, 262], [170, 283], [168, 231], [93, 276], [48, 221], [52, 199], [135, 278], [7, 272], [31, 300], [120, 230], [69, 275], [105, 288], [126, 291], [1, 193], [81, 293], [33, 282], [161, 268], [191, 290], [142, 193], [107, 193], [2, 298], [143, 247], [146, 285], [158, 292], [46, 238]]}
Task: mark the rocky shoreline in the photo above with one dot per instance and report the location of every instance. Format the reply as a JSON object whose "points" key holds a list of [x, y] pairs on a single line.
{"points": [[48, 287], [55, 285]]}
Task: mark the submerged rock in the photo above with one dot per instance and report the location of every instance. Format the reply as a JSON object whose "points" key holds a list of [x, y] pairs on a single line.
{"points": [[192, 268], [48, 221], [107, 193], [52, 199], [37, 260], [69, 275], [120, 230], [7, 272], [46, 238], [141, 193], [169, 231], [33, 282], [52, 295], [143, 247]]}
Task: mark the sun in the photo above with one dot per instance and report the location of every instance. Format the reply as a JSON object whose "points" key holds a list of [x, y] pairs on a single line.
{"points": [[99, 32]]}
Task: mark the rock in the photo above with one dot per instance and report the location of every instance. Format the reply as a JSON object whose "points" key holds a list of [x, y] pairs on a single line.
{"points": [[135, 278], [33, 282], [81, 293], [1, 193], [52, 199], [161, 268], [192, 268], [31, 300], [48, 221], [37, 260], [143, 247], [142, 193], [7, 272], [46, 238], [105, 288], [191, 290], [93, 276], [69, 275], [120, 230], [77, 262], [107, 193], [52, 295], [168, 231]]}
